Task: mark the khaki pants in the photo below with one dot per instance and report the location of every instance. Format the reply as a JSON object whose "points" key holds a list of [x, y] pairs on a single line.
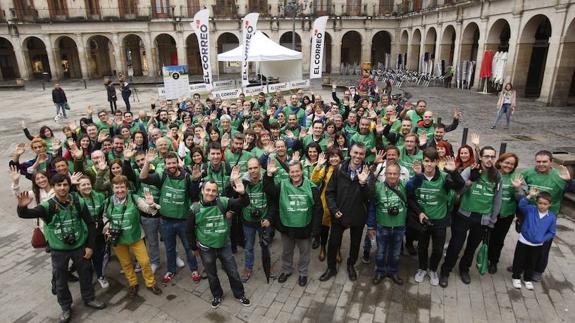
{"points": [[138, 248]]}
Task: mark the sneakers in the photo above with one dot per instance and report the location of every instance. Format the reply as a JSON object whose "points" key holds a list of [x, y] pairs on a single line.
{"points": [[155, 289], [103, 282], [168, 277], [216, 302], [244, 301], [365, 258], [154, 268], [528, 285], [196, 277], [420, 275], [433, 278], [180, 263], [66, 316], [443, 280], [517, 283], [133, 291], [137, 268]]}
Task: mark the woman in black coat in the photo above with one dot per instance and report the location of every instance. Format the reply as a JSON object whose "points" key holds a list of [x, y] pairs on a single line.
{"points": [[111, 91]]}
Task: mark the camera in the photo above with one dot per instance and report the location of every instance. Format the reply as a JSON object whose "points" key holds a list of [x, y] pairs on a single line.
{"points": [[70, 238], [393, 211], [257, 214], [114, 235]]}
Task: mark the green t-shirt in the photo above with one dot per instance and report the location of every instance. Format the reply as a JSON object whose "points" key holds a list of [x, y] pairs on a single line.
{"points": [[65, 221], [385, 199], [212, 227], [479, 196], [432, 197], [407, 160], [95, 204], [369, 141], [174, 198], [551, 183], [125, 217], [240, 159], [296, 203], [508, 202], [258, 202]]}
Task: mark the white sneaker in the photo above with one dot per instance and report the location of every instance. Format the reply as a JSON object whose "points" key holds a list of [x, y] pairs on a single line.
{"points": [[420, 275], [528, 285], [180, 263], [103, 282], [154, 268], [433, 278], [137, 268], [517, 283]]}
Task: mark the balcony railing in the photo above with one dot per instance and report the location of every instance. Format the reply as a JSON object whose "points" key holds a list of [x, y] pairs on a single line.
{"points": [[81, 14], [323, 10], [229, 11], [353, 9]]}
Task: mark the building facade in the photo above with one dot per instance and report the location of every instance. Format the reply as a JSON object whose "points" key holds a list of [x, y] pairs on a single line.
{"points": [[94, 39]]}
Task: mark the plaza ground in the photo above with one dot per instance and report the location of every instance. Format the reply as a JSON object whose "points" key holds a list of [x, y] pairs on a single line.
{"points": [[25, 273]]}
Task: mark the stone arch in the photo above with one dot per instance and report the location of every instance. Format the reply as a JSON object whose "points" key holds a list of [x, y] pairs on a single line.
{"points": [[498, 36], [403, 46], [381, 48], [37, 57], [351, 44], [67, 56], [193, 55], [167, 53], [430, 43], [326, 68], [100, 56], [447, 46], [135, 53], [532, 52], [564, 85], [469, 42], [287, 41], [8, 64], [228, 41], [414, 51]]}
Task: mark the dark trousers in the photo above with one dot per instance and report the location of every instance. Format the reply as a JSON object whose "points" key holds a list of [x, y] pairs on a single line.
{"points": [[334, 243], [324, 235], [436, 234], [209, 256], [60, 260], [460, 226], [524, 260], [543, 258], [126, 98], [497, 238], [98, 255], [113, 106]]}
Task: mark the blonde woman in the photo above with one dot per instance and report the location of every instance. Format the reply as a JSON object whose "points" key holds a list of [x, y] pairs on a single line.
{"points": [[505, 105]]}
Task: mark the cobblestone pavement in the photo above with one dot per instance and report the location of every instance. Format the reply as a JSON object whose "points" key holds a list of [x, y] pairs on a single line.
{"points": [[25, 273]]}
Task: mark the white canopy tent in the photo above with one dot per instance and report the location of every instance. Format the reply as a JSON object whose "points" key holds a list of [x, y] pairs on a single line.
{"points": [[274, 60]]}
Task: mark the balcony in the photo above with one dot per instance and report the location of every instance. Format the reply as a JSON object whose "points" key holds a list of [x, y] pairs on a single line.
{"points": [[23, 15], [228, 11], [81, 14], [323, 10], [353, 9]]}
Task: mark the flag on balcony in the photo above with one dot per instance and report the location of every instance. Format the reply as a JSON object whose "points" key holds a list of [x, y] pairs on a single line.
{"points": [[317, 47], [201, 26], [249, 29]]}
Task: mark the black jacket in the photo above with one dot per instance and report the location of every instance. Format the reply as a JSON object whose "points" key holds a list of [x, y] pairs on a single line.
{"points": [[349, 197], [58, 96], [312, 229]]}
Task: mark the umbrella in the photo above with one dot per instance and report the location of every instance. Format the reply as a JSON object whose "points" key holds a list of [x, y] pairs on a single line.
{"points": [[265, 241], [482, 255]]}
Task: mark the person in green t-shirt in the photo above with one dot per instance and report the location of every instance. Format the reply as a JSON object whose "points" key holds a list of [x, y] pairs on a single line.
{"points": [[386, 222], [207, 230], [367, 137], [546, 179], [476, 216], [507, 163], [70, 232], [298, 209], [431, 189]]}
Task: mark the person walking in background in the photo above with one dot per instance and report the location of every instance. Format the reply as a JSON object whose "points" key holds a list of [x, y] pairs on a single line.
{"points": [[111, 91], [60, 101], [505, 105]]}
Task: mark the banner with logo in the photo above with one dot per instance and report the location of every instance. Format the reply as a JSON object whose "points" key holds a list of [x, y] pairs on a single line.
{"points": [[317, 47], [249, 25], [201, 26], [176, 82]]}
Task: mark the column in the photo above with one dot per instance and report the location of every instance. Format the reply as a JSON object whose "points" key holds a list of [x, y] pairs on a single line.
{"points": [[305, 50], [21, 59], [457, 45], [181, 48], [151, 56], [550, 67], [366, 47], [336, 53], [118, 65], [514, 26], [483, 36], [54, 65]]}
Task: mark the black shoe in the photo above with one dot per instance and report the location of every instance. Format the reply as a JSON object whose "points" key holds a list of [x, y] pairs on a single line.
{"points": [[216, 302], [302, 281], [95, 305], [327, 275], [155, 290], [464, 275], [244, 301], [536, 277], [443, 280], [377, 279], [410, 248], [65, 316], [315, 243], [351, 272], [54, 289], [365, 258], [492, 268], [283, 277], [133, 291], [72, 278], [510, 269], [396, 279]]}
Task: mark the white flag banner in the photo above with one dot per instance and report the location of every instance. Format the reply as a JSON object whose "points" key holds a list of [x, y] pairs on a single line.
{"points": [[201, 26], [317, 47], [249, 25]]}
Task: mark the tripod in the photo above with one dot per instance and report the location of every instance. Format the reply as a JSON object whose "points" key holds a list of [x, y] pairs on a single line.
{"points": [[135, 95]]}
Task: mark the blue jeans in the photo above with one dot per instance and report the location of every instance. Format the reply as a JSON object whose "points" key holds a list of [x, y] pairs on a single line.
{"points": [[60, 109], [209, 257], [505, 109], [250, 239], [389, 242], [151, 228], [171, 229]]}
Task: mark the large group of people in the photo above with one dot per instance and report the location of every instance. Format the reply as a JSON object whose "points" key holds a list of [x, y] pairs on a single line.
{"points": [[217, 173]]}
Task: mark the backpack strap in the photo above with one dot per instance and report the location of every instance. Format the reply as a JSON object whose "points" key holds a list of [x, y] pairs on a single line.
{"points": [[220, 206], [195, 208]]}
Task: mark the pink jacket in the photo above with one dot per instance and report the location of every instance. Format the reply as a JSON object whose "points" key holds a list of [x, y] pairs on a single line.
{"points": [[513, 101]]}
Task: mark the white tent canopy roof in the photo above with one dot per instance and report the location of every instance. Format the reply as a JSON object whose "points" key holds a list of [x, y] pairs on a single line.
{"points": [[262, 49]]}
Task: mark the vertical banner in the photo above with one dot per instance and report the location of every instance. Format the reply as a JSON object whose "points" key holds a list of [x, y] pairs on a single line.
{"points": [[248, 31], [176, 82], [317, 47], [201, 26]]}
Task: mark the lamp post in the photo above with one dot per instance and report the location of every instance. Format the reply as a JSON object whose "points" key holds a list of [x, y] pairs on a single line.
{"points": [[293, 7]]}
